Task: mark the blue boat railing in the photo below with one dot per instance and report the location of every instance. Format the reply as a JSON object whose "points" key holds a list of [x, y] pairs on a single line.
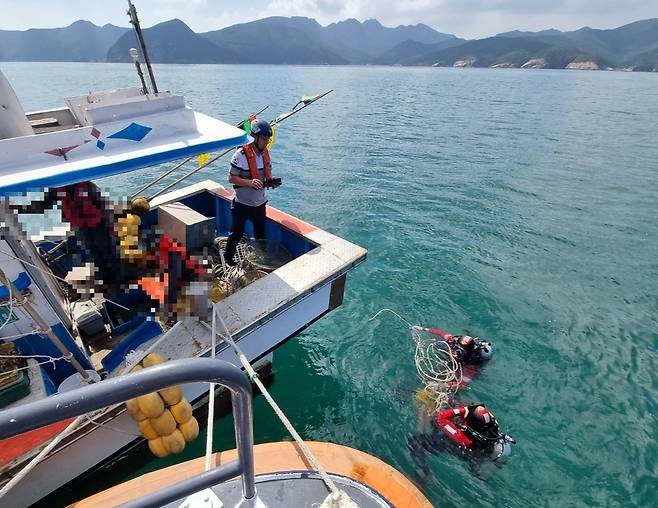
{"points": [[115, 390]]}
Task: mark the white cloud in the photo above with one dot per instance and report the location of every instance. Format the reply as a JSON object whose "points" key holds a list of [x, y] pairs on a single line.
{"points": [[465, 18]]}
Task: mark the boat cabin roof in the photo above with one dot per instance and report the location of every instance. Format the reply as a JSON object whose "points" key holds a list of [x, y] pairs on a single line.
{"points": [[105, 134]]}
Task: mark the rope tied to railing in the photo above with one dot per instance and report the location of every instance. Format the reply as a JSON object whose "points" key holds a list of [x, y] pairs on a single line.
{"points": [[337, 498]]}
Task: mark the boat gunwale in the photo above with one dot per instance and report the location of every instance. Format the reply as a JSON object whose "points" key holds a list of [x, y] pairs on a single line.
{"points": [[219, 192]]}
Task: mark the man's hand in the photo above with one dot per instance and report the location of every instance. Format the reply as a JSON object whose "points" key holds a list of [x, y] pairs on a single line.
{"points": [[256, 184]]}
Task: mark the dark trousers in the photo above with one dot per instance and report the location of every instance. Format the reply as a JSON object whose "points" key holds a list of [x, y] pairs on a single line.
{"points": [[240, 214], [98, 245]]}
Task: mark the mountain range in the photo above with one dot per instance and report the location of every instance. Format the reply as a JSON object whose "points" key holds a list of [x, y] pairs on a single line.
{"points": [[299, 40]]}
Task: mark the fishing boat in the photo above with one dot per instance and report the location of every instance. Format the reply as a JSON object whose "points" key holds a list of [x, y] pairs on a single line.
{"points": [[62, 328], [282, 474]]}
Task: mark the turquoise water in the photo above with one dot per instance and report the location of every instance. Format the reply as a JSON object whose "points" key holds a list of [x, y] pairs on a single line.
{"points": [[520, 206]]}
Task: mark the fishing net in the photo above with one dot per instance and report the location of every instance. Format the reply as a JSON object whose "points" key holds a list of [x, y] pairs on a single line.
{"points": [[267, 255], [225, 277], [437, 367], [253, 259]]}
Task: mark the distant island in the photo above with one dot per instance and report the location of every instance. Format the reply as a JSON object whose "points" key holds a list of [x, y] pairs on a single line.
{"points": [[299, 40]]}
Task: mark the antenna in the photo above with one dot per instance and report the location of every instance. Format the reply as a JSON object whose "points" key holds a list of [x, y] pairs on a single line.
{"points": [[134, 54], [132, 13]]}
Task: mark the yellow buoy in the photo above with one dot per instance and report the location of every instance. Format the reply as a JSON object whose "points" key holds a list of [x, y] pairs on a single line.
{"points": [[133, 220], [152, 359], [164, 424], [182, 411], [147, 430], [189, 429], [174, 442], [136, 368], [151, 404], [171, 395], [140, 205], [133, 408], [158, 448]]}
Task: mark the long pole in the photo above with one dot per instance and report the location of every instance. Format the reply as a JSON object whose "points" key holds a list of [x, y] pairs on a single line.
{"points": [[132, 12], [287, 115], [196, 170], [166, 173], [43, 327], [276, 121]]}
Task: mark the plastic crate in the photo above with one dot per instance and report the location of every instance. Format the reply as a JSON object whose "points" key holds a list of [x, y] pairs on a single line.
{"points": [[15, 390]]}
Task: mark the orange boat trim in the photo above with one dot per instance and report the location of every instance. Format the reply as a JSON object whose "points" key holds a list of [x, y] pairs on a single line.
{"points": [[273, 457], [15, 446]]}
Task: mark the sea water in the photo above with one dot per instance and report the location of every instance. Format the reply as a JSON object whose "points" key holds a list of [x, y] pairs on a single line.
{"points": [[516, 205]]}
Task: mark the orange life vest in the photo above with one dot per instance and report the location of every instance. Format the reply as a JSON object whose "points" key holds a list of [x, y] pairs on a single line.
{"points": [[253, 166]]}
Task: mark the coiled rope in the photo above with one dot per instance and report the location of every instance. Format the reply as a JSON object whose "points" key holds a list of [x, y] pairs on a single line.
{"points": [[436, 366]]}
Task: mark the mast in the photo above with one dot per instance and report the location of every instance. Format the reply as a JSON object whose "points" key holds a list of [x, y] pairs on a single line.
{"points": [[132, 13]]}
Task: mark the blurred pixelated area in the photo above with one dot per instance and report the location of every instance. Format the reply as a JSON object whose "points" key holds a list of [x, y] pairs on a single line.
{"points": [[121, 263], [98, 247]]}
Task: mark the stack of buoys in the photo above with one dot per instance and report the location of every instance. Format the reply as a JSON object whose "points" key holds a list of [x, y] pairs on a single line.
{"points": [[163, 417], [128, 232]]}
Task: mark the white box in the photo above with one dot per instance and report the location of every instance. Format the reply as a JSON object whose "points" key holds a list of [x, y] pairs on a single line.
{"points": [[186, 226]]}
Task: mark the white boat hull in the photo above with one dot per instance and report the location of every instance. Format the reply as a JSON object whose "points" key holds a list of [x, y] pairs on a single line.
{"points": [[92, 449]]}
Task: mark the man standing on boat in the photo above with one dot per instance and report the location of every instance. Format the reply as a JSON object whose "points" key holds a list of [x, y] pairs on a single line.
{"points": [[250, 173]]}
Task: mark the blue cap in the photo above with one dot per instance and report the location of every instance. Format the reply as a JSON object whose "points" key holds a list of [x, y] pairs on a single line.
{"points": [[261, 128]]}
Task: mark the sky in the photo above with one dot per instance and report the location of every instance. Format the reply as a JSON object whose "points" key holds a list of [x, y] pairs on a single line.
{"points": [[465, 18]]}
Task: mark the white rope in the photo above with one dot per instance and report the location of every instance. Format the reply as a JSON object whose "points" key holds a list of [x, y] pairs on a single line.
{"points": [[51, 360], [24, 472], [437, 366], [254, 377], [11, 338], [211, 400], [395, 314], [109, 427]]}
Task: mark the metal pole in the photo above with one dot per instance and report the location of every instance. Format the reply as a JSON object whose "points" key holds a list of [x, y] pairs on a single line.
{"points": [[285, 116], [190, 174], [132, 12], [43, 327], [167, 173], [244, 442], [82, 400], [134, 54]]}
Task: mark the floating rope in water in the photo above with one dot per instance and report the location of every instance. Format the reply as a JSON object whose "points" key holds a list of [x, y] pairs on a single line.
{"points": [[436, 366]]}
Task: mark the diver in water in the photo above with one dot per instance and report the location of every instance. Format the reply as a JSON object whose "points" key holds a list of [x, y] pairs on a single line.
{"points": [[470, 353], [469, 350], [469, 431], [466, 349], [474, 430]]}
